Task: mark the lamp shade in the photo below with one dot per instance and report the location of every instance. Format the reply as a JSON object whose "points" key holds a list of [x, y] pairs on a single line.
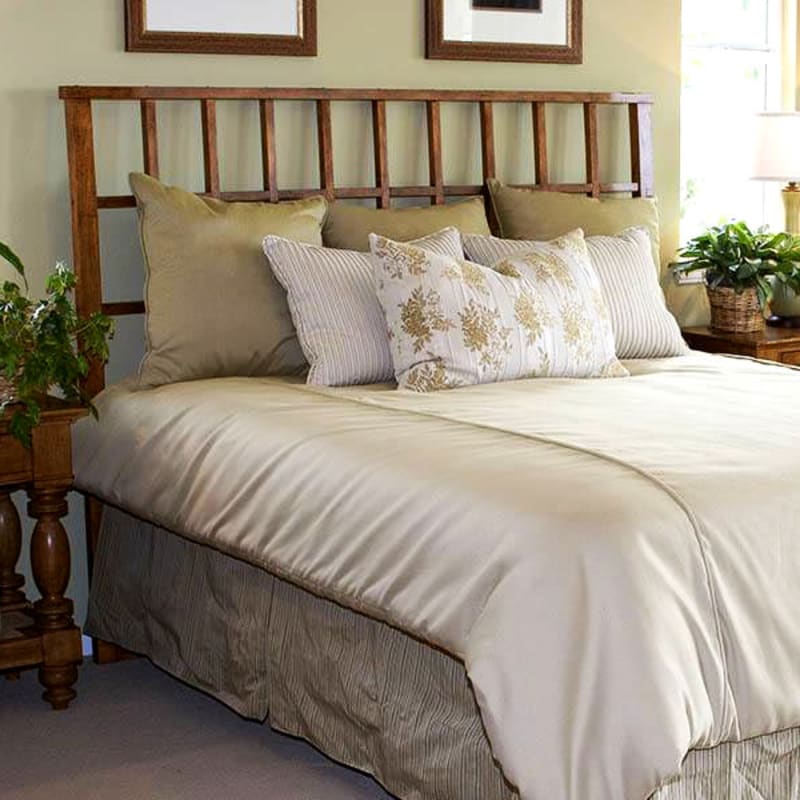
{"points": [[777, 147]]}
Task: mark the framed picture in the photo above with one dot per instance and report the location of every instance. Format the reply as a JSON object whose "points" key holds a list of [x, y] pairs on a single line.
{"points": [[505, 30], [250, 27]]}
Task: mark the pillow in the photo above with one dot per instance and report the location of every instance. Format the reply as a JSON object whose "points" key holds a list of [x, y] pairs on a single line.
{"points": [[348, 226], [213, 306], [531, 214], [332, 299], [539, 313], [643, 326]]}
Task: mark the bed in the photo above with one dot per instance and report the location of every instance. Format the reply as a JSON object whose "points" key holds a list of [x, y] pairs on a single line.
{"points": [[520, 589]]}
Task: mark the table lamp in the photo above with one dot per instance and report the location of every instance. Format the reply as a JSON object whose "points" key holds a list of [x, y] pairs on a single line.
{"points": [[777, 158]]}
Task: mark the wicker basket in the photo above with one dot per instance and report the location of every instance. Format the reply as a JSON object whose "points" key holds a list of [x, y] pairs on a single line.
{"points": [[735, 313]]}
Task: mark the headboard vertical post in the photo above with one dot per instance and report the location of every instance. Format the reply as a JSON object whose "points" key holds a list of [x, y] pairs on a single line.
{"points": [[379, 137], [538, 113], [325, 145], [592, 148], [149, 137], [435, 168], [641, 133], [208, 114], [269, 158], [85, 222]]}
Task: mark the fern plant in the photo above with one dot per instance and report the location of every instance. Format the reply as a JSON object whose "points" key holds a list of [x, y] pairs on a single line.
{"points": [[39, 344]]}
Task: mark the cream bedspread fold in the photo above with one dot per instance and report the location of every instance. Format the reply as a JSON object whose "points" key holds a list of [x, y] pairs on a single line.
{"points": [[616, 562]]}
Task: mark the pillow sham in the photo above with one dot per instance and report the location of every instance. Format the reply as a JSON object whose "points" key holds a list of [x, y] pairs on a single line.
{"points": [[348, 227], [643, 325], [539, 313], [213, 308], [336, 312], [531, 214]]}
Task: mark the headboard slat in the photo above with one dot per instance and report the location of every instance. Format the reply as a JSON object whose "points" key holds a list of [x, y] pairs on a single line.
{"points": [[435, 167], [538, 111], [590, 138], [269, 157], [85, 201], [149, 137], [208, 114], [325, 145], [380, 139]]}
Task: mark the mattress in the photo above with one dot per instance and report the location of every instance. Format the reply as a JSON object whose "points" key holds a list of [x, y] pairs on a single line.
{"points": [[614, 562], [363, 692]]}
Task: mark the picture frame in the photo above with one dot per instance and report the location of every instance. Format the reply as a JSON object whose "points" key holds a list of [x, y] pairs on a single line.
{"points": [[546, 31], [242, 27]]}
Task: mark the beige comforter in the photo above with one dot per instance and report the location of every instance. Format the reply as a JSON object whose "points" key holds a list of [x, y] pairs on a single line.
{"points": [[617, 562]]}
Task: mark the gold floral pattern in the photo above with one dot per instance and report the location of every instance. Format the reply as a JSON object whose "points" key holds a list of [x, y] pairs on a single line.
{"points": [[577, 330], [472, 274], [402, 258], [421, 315], [531, 314], [430, 376], [548, 266], [485, 335]]}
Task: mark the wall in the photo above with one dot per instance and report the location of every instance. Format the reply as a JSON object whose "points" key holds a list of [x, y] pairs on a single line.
{"points": [[629, 45]]}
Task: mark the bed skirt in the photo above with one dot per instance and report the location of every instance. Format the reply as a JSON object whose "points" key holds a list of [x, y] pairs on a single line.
{"points": [[364, 693]]}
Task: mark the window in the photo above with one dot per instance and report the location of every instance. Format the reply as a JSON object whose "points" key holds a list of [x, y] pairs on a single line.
{"points": [[731, 69]]}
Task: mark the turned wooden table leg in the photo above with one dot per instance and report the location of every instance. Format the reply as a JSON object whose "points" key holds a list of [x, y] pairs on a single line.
{"points": [[11, 583], [50, 560]]}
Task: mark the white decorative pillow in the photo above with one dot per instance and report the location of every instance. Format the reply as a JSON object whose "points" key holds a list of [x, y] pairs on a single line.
{"points": [[339, 322], [538, 313], [643, 326]]}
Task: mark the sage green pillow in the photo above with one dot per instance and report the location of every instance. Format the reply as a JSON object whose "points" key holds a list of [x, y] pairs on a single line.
{"points": [[213, 306], [348, 227], [531, 214]]}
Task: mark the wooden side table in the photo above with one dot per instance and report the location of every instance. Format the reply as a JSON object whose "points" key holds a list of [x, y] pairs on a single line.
{"points": [[40, 634], [772, 343]]}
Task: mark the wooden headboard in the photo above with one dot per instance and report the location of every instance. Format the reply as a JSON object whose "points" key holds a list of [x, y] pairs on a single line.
{"points": [[85, 202]]}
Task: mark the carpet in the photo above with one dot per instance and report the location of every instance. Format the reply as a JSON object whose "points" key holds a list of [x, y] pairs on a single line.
{"points": [[135, 733]]}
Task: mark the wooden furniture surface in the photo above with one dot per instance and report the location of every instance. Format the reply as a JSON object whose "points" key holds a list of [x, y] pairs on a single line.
{"points": [[40, 634], [86, 203], [772, 343]]}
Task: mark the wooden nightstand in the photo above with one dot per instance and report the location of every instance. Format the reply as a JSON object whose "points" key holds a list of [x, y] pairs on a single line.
{"points": [[40, 634], [772, 344]]}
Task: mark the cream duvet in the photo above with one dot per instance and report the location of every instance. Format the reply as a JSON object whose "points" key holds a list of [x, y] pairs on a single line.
{"points": [[615, 561]]}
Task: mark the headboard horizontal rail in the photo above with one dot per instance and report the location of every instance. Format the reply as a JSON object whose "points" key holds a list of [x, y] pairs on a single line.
{"points": [[86, 203], [291, 93], [373, 193]]}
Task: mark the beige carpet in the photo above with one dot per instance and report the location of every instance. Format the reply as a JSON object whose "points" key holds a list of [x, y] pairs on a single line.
{"points": [[134, 733]]}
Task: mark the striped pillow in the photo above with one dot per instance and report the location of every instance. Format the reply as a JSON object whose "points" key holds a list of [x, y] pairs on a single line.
{"points": [[340, 324], [643, 326]]}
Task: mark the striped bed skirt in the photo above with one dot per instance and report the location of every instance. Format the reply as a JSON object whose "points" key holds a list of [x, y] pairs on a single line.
{"points": [[361, 691]]}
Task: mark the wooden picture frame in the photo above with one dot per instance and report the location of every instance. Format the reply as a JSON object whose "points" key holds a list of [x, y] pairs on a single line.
{"points": [[571, 52], [139, 38]]}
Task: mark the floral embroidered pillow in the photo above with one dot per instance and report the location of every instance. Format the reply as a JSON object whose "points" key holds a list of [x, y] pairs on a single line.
{"points": [[537, 313]]}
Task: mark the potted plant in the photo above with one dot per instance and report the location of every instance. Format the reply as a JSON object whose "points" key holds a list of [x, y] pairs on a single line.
{"points": [[39, 345], [740, 267]]}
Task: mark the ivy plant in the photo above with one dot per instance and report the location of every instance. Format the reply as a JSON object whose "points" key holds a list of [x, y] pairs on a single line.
{"points": [[39, 344], [739, 258]]}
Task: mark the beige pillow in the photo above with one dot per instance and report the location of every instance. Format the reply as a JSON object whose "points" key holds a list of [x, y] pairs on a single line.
{"points": [[642, 324], [339, 321], [529, 214], [539, 313], [214, 308], [348, 227]]}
